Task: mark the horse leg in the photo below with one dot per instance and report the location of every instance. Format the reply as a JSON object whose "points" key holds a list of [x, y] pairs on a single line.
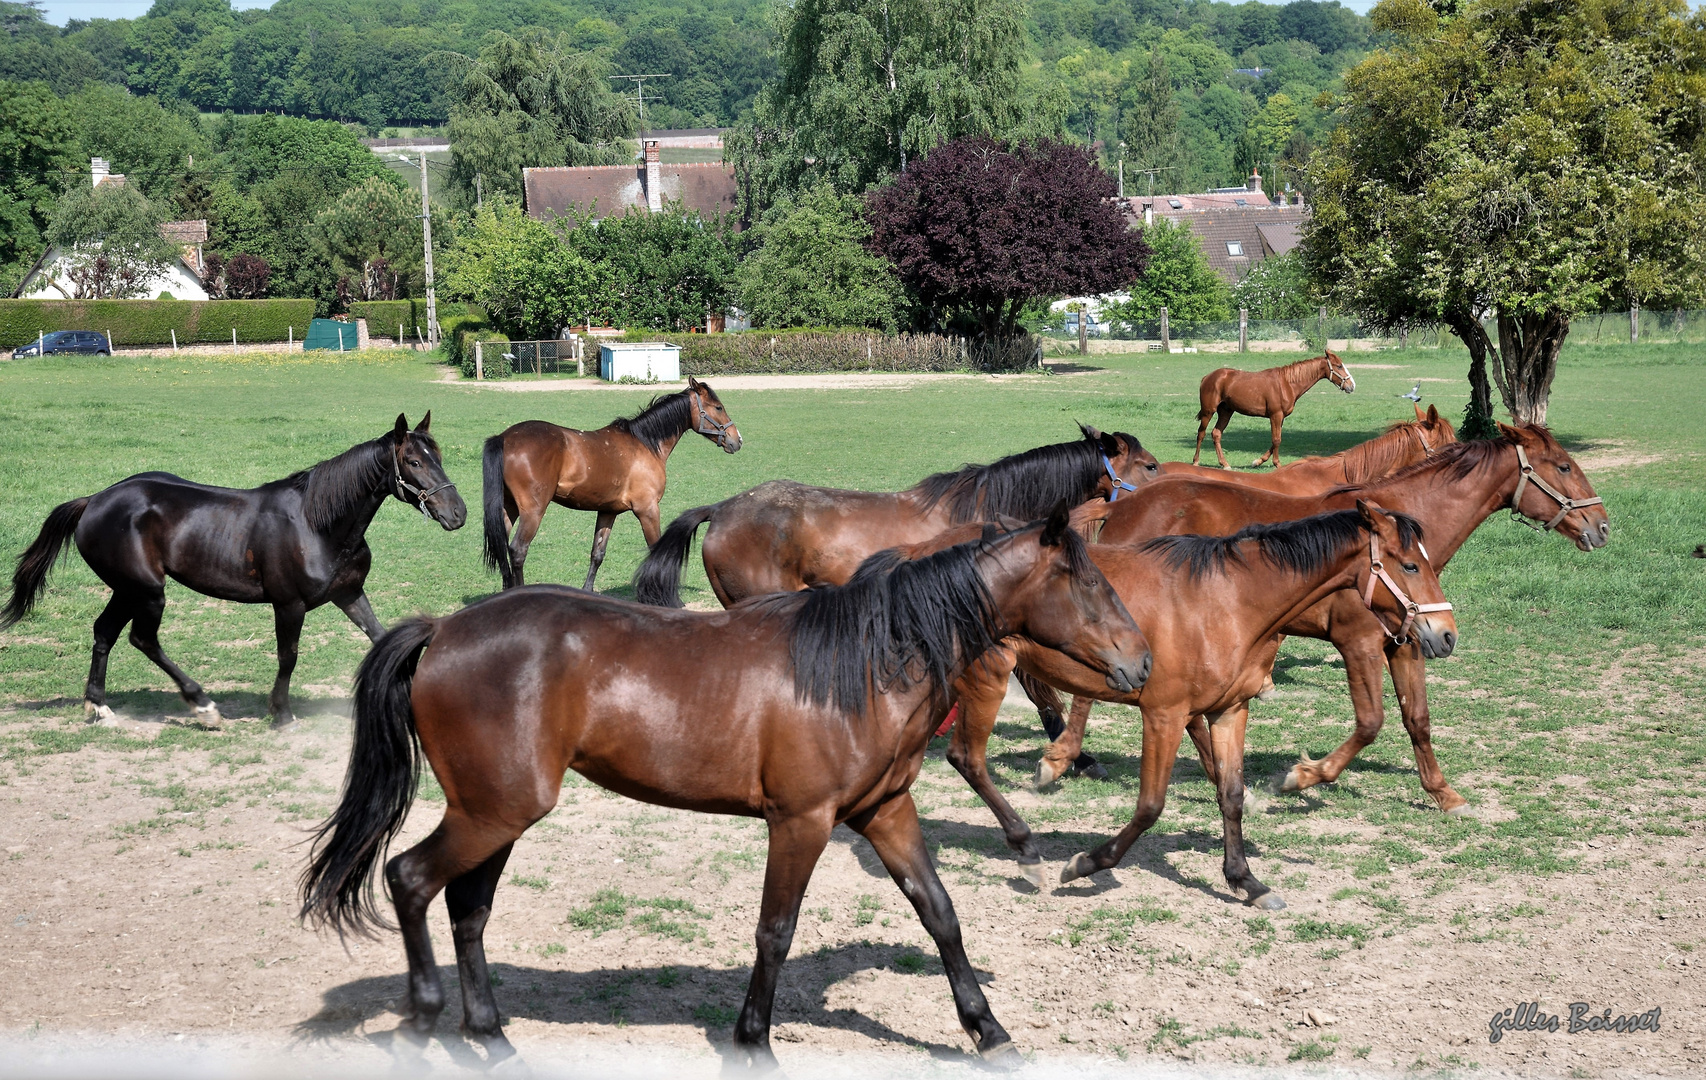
{"points": [[979, 693], [360, 612], [1410, 679], [1198, 731], [108, 626], [145, 635], [795, 845], [469, 899], [1219, 427], [600, 537], [1047, 701], [1227, 732], [526, 528], [649, 526], [1274, 425], [1202, 426], [287, 623], [1066, 747], [1162, 733], [894, 832], [1365, 662]]}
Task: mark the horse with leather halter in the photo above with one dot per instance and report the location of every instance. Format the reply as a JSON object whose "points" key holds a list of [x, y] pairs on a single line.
{"points": [[1399, 446], [1272, 393], [806, 709], [296, 543], [783, 536], [1210, 608], [616, 469]]}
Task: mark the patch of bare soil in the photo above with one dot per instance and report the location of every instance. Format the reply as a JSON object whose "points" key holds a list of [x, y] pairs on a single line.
{"points": [[1605, 457], [149, 896]]}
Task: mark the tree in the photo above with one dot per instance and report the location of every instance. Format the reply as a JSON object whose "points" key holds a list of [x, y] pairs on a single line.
{"points": [[38, 145], [371, 236], [530, 283], [1276, 288], [1526, 161], [810, 266], [668, 270], [979, 228], [111, 238], [1151, 130], [242, 277], [1178, 278], [532, 100], [151, 145]]}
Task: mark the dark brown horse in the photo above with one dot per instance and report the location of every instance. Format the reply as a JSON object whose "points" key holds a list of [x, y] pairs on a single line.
{"points": [[618, 468], [783, 536], [1272, 393], [805, 709], [295, 543], [1210, 608], [1451, 493], [1399, 446]]}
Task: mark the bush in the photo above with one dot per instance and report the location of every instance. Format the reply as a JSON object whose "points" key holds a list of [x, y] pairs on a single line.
{"points": [[383, 315], [152, 322], [816, 349], [492, 360]]}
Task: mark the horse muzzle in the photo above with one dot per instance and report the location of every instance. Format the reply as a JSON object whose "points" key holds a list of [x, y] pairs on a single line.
{"points": [[451, 513], [730, 442], [1127, 675], [1594, 536], [1437, 637]]}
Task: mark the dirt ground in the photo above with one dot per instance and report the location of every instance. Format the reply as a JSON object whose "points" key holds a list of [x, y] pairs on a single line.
{"points": [[149, 909]]}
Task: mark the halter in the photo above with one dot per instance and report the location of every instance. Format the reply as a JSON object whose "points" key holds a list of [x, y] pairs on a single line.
{"points": [[1377, 569], [1119, 485], [1427, 451], [719, 432], [1529, 476], [405, 489], [1343, 370]]}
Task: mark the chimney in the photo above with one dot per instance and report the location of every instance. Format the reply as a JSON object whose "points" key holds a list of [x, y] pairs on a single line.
{"points": [[98, 171], [654, 177], [1255, 181], [1148, 213]]}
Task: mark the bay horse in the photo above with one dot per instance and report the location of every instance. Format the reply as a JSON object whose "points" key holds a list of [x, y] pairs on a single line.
{"points": [[782, 536], [295, 543], [1272, 393], [1211, 608], [1524, 470], [805, 709], [1399, 446], [616, 469]]}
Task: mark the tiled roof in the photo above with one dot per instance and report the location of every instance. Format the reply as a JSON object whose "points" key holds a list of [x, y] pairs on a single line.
{"points": [[185, 232], [611, 189], [1236, 239]]}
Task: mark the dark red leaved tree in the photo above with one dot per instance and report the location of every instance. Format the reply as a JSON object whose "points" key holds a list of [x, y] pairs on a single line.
{"points": [[979, 228], [246, 277]]}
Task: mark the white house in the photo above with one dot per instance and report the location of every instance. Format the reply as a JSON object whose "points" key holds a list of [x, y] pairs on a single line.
{"points": [[48, 280], [1092, 307]]}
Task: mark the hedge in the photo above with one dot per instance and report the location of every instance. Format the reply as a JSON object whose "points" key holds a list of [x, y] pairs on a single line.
{"points": [[765, 352], [384, 316], [152, 322]]}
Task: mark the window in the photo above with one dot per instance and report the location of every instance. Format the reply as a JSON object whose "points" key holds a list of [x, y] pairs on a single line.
{"points": [[1240, 202], [1235, 248], [1175, 203]]}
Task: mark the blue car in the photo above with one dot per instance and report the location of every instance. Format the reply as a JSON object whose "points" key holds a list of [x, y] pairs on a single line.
{"points": [[84, 342]]}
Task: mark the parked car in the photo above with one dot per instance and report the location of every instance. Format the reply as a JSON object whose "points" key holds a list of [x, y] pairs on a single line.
{"points": [[85, 342]]}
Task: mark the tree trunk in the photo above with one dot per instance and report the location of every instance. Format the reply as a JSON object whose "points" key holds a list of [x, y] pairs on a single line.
{"points": [[1478, 420], [1527, 360]]}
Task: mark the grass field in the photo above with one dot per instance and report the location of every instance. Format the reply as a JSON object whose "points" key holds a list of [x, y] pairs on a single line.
{"points": [[1569, 714]]}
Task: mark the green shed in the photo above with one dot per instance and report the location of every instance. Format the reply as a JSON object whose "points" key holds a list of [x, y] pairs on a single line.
{"points": [[330, 334]]}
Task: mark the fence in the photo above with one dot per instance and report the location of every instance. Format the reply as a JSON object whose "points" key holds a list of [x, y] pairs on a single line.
{"points": [[497, 359]]}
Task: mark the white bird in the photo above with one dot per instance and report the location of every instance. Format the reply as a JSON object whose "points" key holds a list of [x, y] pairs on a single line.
{"points": [[1415, 393]]}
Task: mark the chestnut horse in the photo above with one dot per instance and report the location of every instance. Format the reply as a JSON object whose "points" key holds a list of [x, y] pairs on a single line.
{"points": [[618, 468], [1272, 393], [295, 543], [1451, 493], [1399, 446], [782, 536], [806, 709], [1210, 608]]}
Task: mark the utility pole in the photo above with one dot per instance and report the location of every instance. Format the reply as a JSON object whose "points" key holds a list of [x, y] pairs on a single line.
{"points": [[426, 236]]}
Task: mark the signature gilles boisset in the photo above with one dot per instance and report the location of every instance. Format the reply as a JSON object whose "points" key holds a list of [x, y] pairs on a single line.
{"points": [[1527, 1017]]}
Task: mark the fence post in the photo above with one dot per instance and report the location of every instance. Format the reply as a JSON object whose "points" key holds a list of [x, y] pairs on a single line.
{"points": [[1323, 325], [399, 335], [479, 361], [1634, 321], [1404, 338], [291, 338], [1084, 329], [174, 342], [109, 341], [233, 339], [1243, 329], [1166, 337]]}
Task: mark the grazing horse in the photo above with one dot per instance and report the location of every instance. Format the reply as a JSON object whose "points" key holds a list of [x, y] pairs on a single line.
{"points": [[805, 709], [295, 543], [1398, 447], [1451, 493], [1210, 608], [1272, 393], [618, 468], [782, 536]]}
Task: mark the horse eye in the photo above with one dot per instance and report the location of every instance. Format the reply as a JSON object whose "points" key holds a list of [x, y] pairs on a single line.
{"points": [[415, 462], [1151, 466], [1410, 568], [1563, 468]]}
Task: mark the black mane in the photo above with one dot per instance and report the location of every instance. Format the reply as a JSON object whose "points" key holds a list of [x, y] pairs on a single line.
{"points": [[339, 485], [666, 416], [1302, 546], [1027, 485]]}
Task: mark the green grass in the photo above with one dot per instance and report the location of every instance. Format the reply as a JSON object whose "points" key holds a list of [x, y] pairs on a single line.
{"points": [[1570, 698]]}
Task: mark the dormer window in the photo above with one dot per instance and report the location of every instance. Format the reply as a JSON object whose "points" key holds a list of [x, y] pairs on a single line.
{"points": [[1235, 248], [1175, 203]]}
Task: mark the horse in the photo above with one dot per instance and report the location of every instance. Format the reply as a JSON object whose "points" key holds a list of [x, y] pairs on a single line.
{"points": [[295, 543], [1399, 446], [1452, 493], [1272, 393], [782, 536], [806, 709], [618, 468], [1210, 608]]}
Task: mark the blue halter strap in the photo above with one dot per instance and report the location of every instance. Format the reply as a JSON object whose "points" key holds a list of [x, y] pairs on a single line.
{"points": [[1119, 485]]}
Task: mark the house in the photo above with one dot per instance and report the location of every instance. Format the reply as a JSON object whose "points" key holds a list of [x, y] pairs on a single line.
{"points": [[604, 190], [1237, 227], [48, 279]]}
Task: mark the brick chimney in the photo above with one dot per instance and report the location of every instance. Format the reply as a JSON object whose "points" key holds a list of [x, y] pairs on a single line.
{"points": [[1255, 181], [98, 170], [654, 177]]}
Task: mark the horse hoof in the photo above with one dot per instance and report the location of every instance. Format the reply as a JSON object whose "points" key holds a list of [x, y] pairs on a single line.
{"points": [[1292, 781], [286, 722], [98, 714], [1079, 866], [1003, 1055], [208, 716], [1047, 774], [1464, 810], [1033, 872], [1267, 902], [1094, 772]]}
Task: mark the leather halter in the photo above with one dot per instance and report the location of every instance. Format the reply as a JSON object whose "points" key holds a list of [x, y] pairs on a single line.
{"points": [[719, 432], [1119, 485], [1529, 476], [1377, 570], [1427, 451], [405, 489]]}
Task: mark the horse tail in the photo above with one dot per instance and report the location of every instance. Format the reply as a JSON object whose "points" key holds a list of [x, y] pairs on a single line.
{"points": [[1046, 698], [384, 767], [29, 581], [497, 536], [1209, 394], [658, 580]]}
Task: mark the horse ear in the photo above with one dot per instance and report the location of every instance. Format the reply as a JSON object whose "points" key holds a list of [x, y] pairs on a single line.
{"points": [[1420, 416], [1367, 511], [402, 427], [1054, 531], [1089, 431], [425, 424], [1433, 414], [1513, 434], [692, 383], [1111, 444]]}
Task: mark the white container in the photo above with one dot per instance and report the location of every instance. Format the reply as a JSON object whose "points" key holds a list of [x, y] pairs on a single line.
{"points": [[646, 361]]}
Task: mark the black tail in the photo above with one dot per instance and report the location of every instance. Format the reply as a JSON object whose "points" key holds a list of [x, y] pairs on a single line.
{"points": [[658, 580], [384, 767], [29, 581], [497, 537], [1047, 700]]}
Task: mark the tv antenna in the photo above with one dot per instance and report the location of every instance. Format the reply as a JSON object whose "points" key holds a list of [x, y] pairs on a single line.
{"points": [[640, 92]]}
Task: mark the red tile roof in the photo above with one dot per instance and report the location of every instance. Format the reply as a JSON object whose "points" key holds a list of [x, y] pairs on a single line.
{"points": [[611, 189]]}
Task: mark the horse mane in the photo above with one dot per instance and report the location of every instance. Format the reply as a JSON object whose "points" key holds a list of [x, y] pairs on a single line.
{"points": [[1293, 372], [1027, 485], [339, 485], [666, 416], [1302, 547], [1380, 455], [1456, 460]]}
